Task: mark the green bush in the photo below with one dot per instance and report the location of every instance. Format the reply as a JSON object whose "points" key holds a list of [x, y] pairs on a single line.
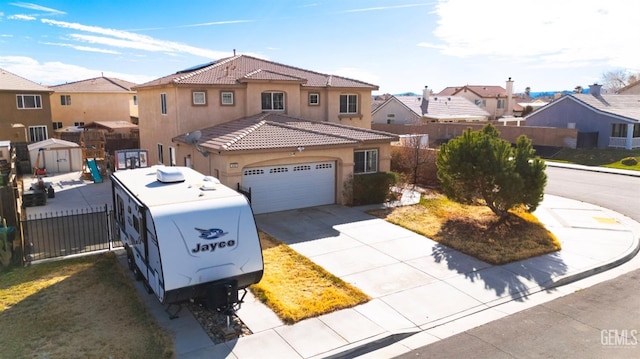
{"points": [[629, 161], [373, 188]]}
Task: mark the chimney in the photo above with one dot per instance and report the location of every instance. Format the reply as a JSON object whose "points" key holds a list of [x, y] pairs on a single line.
{"points": [[509, 107], [425, 100], [595, 89]]}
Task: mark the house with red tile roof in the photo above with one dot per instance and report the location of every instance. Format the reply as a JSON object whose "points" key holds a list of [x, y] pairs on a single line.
{"points": [[97, 99], [293, 136], [25, 110], [496, 100]]}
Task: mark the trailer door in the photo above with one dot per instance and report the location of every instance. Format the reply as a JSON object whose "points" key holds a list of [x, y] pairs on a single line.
{"points": [[155, 265]]}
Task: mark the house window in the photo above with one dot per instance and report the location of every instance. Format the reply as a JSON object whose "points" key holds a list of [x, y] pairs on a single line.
{"points": [[501, 103], [79, 123], [481, 103], [29, 101], [199, 98], [365, 161], [272, 101], [57, 125], [348, 103], [160, 154], [314, 99], [390, 121], [226, 98], [163, 103], [172, 156], [65, 100], [37, 133], [619, 130], [135, 100]]}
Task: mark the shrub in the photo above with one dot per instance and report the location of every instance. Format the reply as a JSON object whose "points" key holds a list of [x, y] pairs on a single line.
{"points": [[629, 161], [373, 187]]}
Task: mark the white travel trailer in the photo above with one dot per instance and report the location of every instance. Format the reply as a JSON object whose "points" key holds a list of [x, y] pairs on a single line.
{"points": [[187, 236]]}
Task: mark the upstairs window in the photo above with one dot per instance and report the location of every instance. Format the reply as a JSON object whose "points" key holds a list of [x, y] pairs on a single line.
{"points": [[365, 161], [163, 103], [226, 98], [273, 101], [199, 98], [501, 103], [481, 103], [65, 100], [57, 125], [314, 99], [135, 100], [348, 103], [29, 101], [79, 123]]}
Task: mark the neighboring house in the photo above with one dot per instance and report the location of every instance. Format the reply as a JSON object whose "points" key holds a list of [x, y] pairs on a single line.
{"points": [[497, 101], [412, 110], [25, 111], [630, 89], [601, 120], [98, 99], [293, 136]]}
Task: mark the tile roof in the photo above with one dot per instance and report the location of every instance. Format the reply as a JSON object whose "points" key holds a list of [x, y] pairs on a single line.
{"points": [[13, 82], [443, 107], [98, 84], [237, 69], [481, 91], [277, 131], [622, 105]]}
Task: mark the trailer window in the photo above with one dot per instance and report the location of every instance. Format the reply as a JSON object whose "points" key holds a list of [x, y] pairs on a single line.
{"points": [[136, 224], [120, 211]]}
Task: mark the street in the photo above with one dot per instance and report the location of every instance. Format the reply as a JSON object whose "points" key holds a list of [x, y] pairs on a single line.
{"points": [[601, 321]]}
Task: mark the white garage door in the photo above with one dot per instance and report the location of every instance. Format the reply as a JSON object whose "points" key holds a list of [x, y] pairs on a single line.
{"points": [[279, 188]]}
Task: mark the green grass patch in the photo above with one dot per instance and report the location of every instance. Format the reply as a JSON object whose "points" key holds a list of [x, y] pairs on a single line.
{"points": [[295, 288], [472, 230], [607, 157]]}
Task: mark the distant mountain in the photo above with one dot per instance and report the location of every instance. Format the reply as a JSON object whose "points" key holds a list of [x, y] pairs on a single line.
{"points": [[553, 93]]}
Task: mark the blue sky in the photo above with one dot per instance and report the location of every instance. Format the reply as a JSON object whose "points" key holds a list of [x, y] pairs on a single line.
{"points": [[399, 45]]}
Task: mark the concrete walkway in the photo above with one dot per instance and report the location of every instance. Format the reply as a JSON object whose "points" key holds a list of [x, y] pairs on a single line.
{"points": [[421, 291]]}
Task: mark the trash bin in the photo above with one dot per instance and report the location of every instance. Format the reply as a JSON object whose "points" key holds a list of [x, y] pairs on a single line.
{"points": [[7, 235]]}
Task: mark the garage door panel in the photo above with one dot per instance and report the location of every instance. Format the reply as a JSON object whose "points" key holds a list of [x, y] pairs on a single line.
{"points": [[278, 188]]}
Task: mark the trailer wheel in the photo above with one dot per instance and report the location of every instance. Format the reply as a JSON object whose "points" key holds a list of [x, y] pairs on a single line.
{"points": [[130, 262]]}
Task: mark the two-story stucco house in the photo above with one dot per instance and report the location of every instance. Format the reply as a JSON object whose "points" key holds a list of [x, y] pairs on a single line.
{"points": [[97, 99], [25, 111], [293, 136], [496, 100]]}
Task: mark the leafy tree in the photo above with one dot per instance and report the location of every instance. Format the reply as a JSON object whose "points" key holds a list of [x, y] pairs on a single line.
{"points": [[479, 167]]}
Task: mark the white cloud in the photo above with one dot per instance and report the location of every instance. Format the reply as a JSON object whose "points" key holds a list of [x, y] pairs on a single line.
{"points": [[379, 8], [83, 48], [36, 7], [125, 39], [547, 32], [21, 17], [55, 73]]}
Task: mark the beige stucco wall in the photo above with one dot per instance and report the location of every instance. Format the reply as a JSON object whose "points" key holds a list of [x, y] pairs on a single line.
{"points": [[182, 116], [220, 165], [89, 107], [10, 114]]}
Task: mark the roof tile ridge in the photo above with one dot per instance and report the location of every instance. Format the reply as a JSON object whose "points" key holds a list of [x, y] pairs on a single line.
{"points": [[247, 131], [117, 84], [206, 68]]}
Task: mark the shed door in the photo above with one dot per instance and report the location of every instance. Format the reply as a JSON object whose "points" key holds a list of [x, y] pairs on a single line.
{"points": [[284, 187]]}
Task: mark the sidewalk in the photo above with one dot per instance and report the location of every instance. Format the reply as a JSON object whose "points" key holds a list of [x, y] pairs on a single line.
{"points": [[421, 291]]}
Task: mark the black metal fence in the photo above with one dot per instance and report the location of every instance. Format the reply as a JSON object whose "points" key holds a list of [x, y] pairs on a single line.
{"points": [[68, 233]]}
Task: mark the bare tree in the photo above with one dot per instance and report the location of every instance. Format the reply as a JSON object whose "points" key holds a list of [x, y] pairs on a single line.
{"points": [[615, 80]]}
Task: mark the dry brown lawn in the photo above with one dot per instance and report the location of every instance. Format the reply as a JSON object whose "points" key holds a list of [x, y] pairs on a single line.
{"points": [[295, 288], [77, 308], [473, 230]]}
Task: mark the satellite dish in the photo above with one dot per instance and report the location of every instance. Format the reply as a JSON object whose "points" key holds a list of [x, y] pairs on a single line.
{"points": [[192, 137]]}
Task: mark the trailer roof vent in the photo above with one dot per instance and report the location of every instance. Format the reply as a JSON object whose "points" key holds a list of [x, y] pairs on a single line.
{"points": [[169, 175]]}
